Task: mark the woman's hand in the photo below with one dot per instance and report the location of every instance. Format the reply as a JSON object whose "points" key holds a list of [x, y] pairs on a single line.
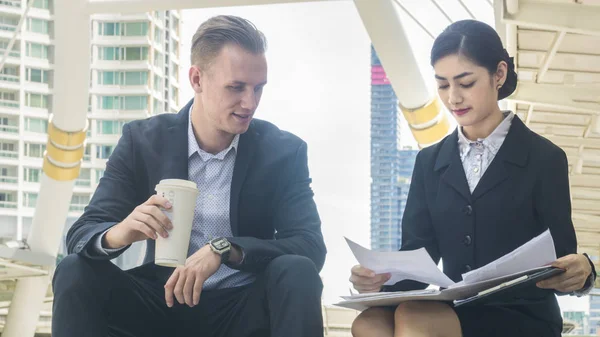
{"points": [[577, 270], [366, 281]]}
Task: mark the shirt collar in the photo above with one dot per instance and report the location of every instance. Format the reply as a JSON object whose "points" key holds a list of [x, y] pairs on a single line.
{"points": [[492, 142], [193, 146]]}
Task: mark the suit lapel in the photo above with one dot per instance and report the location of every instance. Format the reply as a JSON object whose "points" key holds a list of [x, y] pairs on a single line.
{"points": [[514, 151], [245, 153], [176, 146], [454, 175]]}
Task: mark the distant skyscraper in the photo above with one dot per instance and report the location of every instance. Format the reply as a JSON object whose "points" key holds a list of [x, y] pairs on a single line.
{"points": [[391, 168]]}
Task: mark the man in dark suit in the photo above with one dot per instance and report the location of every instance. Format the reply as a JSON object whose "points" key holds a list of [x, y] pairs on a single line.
{"points": [[255, 198]]}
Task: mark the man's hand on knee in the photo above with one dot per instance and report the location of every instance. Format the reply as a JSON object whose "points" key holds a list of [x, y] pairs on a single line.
{"points": [[186, 282]]}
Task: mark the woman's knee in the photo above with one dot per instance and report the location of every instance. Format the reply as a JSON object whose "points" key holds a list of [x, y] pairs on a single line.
{"points": [[425, 316], [374, 322]]}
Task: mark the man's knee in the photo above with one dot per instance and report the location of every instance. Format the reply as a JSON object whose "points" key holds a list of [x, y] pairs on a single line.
{"points": [[75, 272], [295, 272]]}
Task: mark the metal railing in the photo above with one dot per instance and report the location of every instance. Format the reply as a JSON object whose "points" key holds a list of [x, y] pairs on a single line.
{"points": [[76, 207], [9, 128], [8, 204], [83, 182], [9, 179], [9, 78], [11, 3], [7, 103], [9, 154]]}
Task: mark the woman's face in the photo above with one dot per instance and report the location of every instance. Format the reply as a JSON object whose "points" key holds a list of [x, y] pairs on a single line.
{"points": [[468, 90]]}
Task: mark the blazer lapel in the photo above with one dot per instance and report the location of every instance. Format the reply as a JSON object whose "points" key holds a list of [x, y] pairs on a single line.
{"points": [[176, 146], [514, 151], [454, 174], [245, 153]]}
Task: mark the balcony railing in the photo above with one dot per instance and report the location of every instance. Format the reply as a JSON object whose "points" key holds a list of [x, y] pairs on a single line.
{"points": [[11, 3], [83, 182], [76, 208], [8, 204], [12, 53], [9, 154], [9, 179], [8, 103], [9, 78], [7, 27], [9, 128]]}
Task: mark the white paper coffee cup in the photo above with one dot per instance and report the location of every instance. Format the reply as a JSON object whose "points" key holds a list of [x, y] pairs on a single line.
{"points": [[172, 251]]}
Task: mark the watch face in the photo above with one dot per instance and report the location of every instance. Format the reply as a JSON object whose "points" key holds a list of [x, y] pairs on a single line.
{"points": [[220, 244]]}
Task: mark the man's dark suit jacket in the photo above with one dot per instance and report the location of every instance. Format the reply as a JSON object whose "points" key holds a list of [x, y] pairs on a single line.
{"points": [[272, 208], [523, 192]]}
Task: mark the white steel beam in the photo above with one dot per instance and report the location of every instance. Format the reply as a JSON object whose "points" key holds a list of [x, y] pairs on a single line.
{"points": [[72, 30], [388, 36], [550, 55], [575, 141], [571, 18], [138, 6], [512, 6], [555, 96], [585, 180]]}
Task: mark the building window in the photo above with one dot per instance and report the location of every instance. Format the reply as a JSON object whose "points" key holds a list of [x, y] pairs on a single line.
{"points": [[175, 95], [43, 4], [84, 178], [9, 23], [36, 75], [123, 78], [123, 102], [123, 28], [157, 35], [136, 29], [123, 53], [87, 153], [104, 151], [32, 175], [158, 60], [109, 127], [36, 100], [99, 175], [30, 199], [34, 150], [78, 202], [36, 125], [38, 26], [36, 50]]}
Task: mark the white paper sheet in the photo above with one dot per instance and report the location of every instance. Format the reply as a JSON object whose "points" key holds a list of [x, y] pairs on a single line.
{"points": [[538, 252], [414, 265]]}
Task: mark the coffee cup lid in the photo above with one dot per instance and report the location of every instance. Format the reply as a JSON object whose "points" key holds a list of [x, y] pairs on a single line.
{"points": [[179, 183]]}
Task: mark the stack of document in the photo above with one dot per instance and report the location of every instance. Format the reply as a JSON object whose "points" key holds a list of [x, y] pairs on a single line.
{"points": [[417, 265]]}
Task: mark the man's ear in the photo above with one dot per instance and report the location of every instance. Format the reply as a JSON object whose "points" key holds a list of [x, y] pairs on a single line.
{"points": [[195, 76]]}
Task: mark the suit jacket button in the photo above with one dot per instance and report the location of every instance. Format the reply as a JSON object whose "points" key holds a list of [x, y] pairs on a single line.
{"points": [[468, 210], [467, 268], [467, 240]]}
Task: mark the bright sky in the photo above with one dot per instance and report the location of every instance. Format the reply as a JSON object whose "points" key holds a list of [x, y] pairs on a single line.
{"points": [[319, 76]]}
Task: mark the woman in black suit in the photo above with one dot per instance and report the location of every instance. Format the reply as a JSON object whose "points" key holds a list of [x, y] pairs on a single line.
{"points": [[483, 191]]}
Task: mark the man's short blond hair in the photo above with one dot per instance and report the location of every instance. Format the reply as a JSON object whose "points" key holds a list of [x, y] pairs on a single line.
{"points": [[218, 31]]}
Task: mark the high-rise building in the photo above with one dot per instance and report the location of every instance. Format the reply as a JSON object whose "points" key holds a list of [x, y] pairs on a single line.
{"points": [[134, 75], [594, 320], [391, 167]]}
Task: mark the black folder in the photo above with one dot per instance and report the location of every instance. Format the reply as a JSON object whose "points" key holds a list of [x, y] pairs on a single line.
{"points": [[498, 293]]}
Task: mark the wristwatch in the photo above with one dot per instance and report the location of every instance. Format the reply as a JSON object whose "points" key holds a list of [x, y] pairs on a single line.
{"points": [[222, 247]]}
